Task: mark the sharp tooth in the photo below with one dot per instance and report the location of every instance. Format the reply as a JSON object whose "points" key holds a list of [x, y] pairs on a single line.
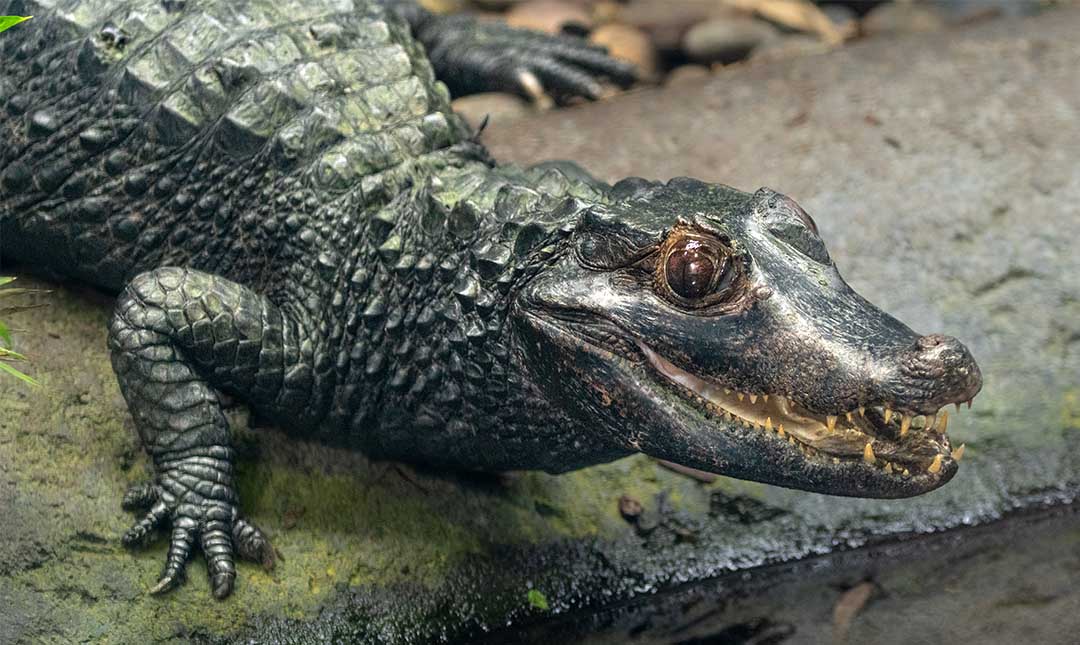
{"points": [[768, 423], [905, 424], [765, 397], [836, 460], [958, 453], [931, 420], [888, 468], [943, 422], [868, 454], [888, 414], [741, 396], [850, 419], [957, 407], [753, 398], [907, 473], [935, 466], [969, 403], [780, 429], [862, 411], [727, 390], [831, 422]]}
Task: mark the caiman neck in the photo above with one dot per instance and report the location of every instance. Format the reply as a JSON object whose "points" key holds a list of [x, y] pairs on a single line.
{"points": [[457, 390]]}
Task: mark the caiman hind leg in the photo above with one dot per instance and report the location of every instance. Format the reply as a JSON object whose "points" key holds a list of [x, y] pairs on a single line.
{"points": [[178, 338]]}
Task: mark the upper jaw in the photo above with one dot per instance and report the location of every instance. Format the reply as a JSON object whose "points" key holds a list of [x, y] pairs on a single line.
{"points": [[898, 443]]}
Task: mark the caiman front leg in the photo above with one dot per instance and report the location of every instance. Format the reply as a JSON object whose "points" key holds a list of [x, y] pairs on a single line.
{"points": [[179, 337]]}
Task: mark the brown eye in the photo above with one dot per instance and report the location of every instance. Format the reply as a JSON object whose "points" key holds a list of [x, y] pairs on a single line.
{"points": [[690, 268]]}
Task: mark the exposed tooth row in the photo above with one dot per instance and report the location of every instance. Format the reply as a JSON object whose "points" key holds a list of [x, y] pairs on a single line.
{"points": [[936, 421]]}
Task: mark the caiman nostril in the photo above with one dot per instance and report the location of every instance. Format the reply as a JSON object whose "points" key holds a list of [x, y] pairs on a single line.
{"points": [[933, 340]]}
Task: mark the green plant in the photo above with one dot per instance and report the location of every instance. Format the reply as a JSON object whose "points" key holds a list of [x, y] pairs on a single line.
{"points": [[7, 22], [7, 354]]}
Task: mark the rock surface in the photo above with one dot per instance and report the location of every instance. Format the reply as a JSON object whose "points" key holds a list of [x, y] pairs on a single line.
{"points": [[942, 171]]}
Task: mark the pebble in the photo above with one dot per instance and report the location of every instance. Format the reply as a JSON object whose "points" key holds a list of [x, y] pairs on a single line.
{"points": [[629, 44], [499, 107], [444, 6], [684, 73], [894, 18], [791, 46], [551, 16], [726, 40], [666, 22]]}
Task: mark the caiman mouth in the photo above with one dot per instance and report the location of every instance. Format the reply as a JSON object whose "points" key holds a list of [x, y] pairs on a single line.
{"points": [[898, 442]]}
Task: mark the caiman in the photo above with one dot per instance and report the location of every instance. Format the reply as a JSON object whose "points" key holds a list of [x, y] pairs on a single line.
{"points": [[292, 216]]}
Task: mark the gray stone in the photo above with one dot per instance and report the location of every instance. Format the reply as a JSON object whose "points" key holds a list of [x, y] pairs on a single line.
{"points": [[496, 107], [726, 40], [789, 46], [900, 17]]}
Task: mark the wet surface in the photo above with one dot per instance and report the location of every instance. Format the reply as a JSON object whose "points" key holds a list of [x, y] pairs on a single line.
{"points": [[1006, 583]]}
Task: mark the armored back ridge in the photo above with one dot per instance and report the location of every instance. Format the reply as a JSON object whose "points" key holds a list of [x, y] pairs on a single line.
{"points": [[292, 216], [227, 136]]}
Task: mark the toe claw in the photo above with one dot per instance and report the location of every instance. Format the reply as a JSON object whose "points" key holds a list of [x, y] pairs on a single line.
{"points": [[223, 585], [139, 534], [166, 583]]}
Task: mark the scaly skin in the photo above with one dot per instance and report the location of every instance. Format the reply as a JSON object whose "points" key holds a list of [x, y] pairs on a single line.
{"points": [[292, 216]]}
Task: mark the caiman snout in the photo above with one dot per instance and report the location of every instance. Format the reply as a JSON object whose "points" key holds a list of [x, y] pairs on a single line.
{"points": [[939, 370]]}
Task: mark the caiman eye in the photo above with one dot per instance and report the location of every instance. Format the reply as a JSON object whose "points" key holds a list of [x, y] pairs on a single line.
{"points": [[694, 266]]}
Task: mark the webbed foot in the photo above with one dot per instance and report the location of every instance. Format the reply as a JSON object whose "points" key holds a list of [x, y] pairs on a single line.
{"points": [[472, 56]]}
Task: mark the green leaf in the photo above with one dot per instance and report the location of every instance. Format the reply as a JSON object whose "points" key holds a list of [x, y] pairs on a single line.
{"points": [[538, 600], [10, 355], [7, 22], [4, 367], [5, 334], [6, 280]]}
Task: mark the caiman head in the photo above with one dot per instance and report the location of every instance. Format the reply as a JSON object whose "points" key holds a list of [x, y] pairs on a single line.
{"points": [[709, 327]]}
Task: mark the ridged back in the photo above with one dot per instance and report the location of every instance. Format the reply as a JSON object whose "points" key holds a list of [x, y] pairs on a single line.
{"points": [[144, 132]]}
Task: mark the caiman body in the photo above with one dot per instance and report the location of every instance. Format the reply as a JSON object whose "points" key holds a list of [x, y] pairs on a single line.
{"points": [[292, 215]]}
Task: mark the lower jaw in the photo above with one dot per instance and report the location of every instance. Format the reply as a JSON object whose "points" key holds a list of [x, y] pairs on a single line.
{"points": [[778, 417]]}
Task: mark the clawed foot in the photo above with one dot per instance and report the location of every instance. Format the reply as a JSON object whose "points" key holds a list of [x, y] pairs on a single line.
{"points": [[471, 56], [212, 521]]}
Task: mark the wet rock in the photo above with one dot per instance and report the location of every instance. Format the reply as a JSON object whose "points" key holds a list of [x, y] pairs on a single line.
{"points": [[789, 46], [726, 40], [551, 16], [901, 17], [629, 44], [498, 107], [684, 73]]}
